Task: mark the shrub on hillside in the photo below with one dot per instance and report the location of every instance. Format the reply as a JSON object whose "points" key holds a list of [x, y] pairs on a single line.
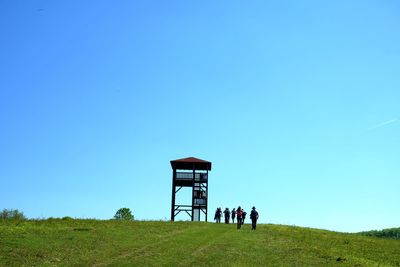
{"points": [[12, 215], [393, 233], [124, 214]]}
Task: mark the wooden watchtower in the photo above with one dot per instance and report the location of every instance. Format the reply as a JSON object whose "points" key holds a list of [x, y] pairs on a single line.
{"points": [[190, 172]]}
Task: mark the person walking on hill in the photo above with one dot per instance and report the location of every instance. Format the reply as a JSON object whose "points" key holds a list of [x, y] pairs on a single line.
{"points": [[233, 215], [243, 216], [254, 218], [239, 214], [217, 216], [227, 214]]}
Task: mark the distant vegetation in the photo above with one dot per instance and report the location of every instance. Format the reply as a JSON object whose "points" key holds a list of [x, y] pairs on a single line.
{"points": [[11, 214], [77, 242], [393, 233], [124, 214]]}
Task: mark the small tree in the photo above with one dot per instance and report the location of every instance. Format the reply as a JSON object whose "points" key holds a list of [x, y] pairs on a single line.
{"points": [[124, 214]]}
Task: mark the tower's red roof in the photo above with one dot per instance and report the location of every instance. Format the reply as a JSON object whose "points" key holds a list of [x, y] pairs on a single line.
{"points": [[190, 163], [190, 159]]}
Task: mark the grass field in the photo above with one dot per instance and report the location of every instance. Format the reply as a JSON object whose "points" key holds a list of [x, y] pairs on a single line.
{"points": [[57, 242]]}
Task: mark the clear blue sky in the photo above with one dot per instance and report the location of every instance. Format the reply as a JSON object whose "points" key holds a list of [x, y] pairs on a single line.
{"points": [[296, 103]]}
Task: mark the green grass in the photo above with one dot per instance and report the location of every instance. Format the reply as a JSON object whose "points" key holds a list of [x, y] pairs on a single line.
{"points": [[59, 242]]}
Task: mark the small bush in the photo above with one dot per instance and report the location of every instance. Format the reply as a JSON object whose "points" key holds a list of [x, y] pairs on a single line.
{"points": [[12, 215]]}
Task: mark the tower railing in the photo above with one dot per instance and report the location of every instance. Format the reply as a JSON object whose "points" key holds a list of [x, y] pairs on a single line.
{"points": [[189, 176]]}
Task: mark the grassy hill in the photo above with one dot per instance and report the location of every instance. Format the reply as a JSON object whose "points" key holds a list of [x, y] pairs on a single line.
{"points": [[56, 242]]}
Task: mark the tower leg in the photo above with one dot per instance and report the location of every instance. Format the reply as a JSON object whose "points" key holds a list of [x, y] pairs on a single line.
{"points": [[173, 196]]}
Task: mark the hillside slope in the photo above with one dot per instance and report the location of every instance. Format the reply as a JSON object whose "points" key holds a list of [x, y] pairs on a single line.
{"points": [[111, 243]]}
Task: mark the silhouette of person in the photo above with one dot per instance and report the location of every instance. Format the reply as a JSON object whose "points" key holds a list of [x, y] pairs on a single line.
{"points": [[217, 216], [239, 214], [254, 218], [227, 214], [233, 215], [243, 216]]}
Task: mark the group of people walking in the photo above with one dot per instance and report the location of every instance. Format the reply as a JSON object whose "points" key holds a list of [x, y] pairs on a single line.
{"points": [[239, 214]]}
